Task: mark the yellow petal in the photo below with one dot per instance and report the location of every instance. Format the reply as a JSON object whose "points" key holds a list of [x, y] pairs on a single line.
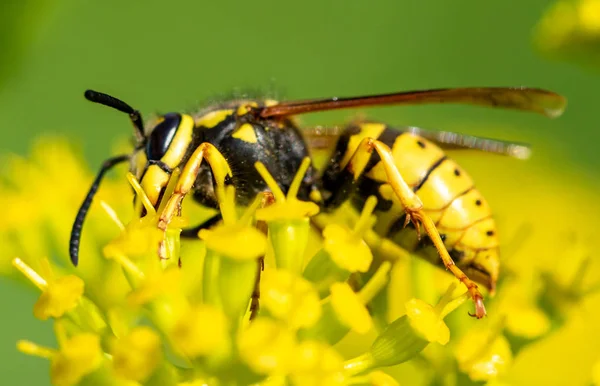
{"points": [[317, 363], [349, 308], [379, 378], [78, 357], [136, 355], [235, 242], [481, 356], [290, 298], [346, 250], [425, 321], [62, 295], [201, 331], [267, 347]]}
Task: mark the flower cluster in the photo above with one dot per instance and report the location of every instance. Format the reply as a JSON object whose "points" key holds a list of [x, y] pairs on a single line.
{"points": [[570, 30], [265, 299]]}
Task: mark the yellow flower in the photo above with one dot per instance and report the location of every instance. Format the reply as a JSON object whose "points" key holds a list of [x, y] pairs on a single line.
{"points": [[203, 330], [77, 357], [346, 250], [290, 298], [349, 308], [596, 373], [316, 363], [267, 347], [61, 296], [379, 378], [136, 356], [483, 354], [58, 297], [197, 300], [427, 322]]}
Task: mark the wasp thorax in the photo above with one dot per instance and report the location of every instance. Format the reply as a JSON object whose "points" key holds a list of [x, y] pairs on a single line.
{"points": [[162, 135]]}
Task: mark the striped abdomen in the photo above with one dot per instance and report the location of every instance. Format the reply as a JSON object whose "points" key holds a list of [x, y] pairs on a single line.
{"points": [[462, 215]]}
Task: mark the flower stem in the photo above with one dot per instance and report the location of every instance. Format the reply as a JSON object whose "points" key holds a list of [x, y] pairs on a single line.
{"points": [[360, 364]]}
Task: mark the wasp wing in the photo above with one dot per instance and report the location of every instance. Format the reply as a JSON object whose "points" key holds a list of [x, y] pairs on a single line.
{"points": [[522, 98], [452, 141]]}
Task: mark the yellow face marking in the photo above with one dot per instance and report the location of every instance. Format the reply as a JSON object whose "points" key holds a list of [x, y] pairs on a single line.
{"points": [[243, 109], [153, 182], [367, 130], [138, 163], [180, 143], [213, 118], [245, 133]]}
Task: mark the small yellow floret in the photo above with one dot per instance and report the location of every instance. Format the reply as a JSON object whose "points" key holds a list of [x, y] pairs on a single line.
{"points": [[589, 15], [379, 378], [316, 363], [288, 210], [78, 356], [167, 281], [290, 298], [286, 207], [235, 241], [349, 308], [596, 373], [267, 347], [140, 238], [203, 330], [60, 296], [136, 356], [346, 250], [427, 322], [483, 356]]}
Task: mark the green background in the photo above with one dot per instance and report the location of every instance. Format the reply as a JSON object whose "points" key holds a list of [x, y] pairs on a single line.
{"points": [[161, 56]]}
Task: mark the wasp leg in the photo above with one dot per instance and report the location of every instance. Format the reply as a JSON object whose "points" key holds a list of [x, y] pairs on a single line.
{"points": [[221, 173], [410, 201], [267, 200]]}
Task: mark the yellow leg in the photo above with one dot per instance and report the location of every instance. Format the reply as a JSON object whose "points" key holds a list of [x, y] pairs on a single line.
{"points": [[190, 171], [414, 210]]}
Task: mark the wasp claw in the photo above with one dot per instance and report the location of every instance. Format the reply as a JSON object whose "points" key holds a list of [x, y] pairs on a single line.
{"points": [[407, 220], [480, 311]]}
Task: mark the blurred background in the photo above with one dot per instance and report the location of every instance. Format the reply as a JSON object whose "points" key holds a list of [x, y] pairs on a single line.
{"points": [[160, 56]]}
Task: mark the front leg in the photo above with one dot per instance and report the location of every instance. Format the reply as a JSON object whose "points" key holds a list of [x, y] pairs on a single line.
{"points": [[347, 178], [221, 173]]}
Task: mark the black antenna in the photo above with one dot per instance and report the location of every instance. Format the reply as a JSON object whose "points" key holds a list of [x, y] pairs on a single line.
{"points": [[78, 224], [107, 100]]}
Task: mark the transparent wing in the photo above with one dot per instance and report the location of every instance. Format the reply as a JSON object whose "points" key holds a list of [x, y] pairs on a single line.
{"points": [[449, 141]]}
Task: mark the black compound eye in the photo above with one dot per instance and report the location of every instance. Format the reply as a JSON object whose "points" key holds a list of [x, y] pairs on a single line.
{"points": [[161, 136]]}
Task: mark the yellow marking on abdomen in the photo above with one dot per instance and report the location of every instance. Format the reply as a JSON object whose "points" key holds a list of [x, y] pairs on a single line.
{"points": [[245, 133], [481, 235], [443, 184], [464, 211], [367, 130]]}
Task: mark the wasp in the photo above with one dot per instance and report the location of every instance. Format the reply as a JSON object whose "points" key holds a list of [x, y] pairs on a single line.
{"points": [[405, 168]]}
